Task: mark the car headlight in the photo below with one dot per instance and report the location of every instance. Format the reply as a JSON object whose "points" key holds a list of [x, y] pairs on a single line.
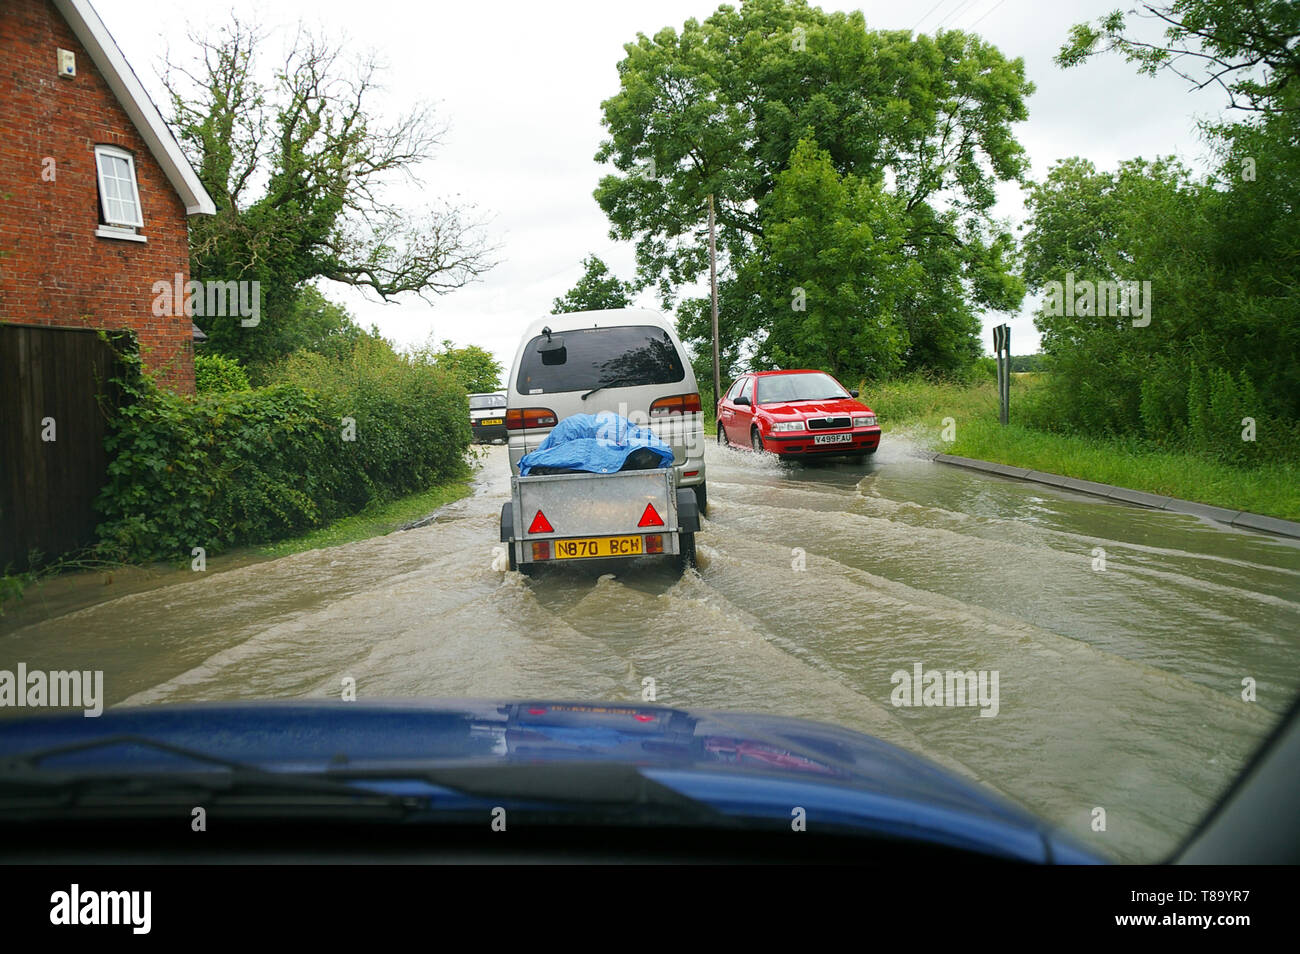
{"points": [[867, 420], [788, 426]]}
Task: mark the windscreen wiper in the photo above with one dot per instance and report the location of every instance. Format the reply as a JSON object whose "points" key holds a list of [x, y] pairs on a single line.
{"points": [[23, 783], [580, 791], [25, 766], [616, 383]]}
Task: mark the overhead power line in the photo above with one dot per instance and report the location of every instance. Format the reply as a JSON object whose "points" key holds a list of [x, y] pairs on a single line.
{"points": [[927, 14], [952, 15], [986, 13]]}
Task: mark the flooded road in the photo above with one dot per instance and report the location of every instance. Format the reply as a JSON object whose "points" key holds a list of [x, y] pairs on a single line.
{"points": [[1117, 689]]}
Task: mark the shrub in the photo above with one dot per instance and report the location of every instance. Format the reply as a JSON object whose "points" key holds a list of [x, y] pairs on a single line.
{"points": [[982, 368], [1217, 404], [411, 418], [224, 469], [217, 374], [1163, 405], [250, 466]]}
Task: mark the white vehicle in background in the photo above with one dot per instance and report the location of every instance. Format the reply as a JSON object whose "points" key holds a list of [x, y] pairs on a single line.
{"points": [[625, 360], [487, 416]]}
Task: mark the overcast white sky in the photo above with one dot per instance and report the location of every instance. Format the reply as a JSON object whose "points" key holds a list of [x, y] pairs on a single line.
{"points": [[520, 84]]}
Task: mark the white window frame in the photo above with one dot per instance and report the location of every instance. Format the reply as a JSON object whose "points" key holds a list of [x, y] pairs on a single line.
{"points": [[109, 224]]}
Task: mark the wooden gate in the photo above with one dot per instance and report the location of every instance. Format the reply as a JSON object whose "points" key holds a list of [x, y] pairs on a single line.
{"points": [[52, 458]]}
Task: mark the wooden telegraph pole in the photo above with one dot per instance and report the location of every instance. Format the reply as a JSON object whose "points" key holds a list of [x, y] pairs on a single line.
{"points": [[713, 285]]}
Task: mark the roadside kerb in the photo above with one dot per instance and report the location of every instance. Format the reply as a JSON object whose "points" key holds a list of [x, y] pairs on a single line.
{"points": [[1235, 518]]}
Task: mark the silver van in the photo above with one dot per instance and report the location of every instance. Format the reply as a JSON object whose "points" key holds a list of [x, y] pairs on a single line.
{"points": [[625, 360]]}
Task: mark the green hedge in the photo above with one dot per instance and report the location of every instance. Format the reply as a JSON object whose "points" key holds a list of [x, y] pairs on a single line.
{"points": [[217, 374], [259, 465]]}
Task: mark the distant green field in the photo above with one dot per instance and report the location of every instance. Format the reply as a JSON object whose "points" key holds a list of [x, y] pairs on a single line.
{"points": [[919, 406]]}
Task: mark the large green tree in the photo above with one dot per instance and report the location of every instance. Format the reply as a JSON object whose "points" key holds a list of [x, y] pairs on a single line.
{"points": [[598, 288], [1222, 254], [832, 264], [1248, 49], [297, 167], [720, 107], [473, 366], [1141, 223], [310, 322], [1222, 257]]}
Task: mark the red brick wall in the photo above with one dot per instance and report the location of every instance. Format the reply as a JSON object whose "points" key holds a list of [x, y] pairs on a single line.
{"points": [[54, 270]]}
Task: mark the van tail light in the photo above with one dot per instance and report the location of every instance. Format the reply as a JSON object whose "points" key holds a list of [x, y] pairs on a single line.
{"points": [[654, 543], [523, 417], [677, 404], [542, 550]]}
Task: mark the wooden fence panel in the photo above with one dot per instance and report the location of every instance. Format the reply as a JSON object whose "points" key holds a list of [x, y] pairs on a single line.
{"points": [[49, 382]]}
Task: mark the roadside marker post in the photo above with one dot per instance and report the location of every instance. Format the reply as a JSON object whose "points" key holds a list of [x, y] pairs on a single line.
{"points": [[1002, 351]]}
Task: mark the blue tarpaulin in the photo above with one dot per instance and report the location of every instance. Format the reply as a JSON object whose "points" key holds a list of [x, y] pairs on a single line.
{"points": [[597, 443]]}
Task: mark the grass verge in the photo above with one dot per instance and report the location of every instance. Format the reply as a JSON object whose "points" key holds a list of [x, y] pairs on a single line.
{"points": [[375, 520], [920, 406]]}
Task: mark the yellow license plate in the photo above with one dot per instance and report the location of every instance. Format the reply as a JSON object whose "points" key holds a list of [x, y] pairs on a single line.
{"points": [[597, 547], [495, 420]]}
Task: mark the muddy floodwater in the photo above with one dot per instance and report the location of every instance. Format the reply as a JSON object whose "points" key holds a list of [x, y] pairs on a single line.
{"points": [[1118, 689]]}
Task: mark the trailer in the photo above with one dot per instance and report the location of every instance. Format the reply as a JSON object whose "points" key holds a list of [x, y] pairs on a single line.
{"points": [[576, 517]]}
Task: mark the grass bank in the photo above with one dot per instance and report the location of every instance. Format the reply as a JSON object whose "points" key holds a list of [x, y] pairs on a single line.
{"points": [[919, 407], [375, 520]]}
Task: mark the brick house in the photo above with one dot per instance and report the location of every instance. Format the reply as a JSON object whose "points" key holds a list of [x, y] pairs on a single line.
{"points": [[95, 196], [95, 191]]}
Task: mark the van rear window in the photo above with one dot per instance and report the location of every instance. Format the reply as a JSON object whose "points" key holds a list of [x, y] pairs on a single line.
{"points": [[626, 356]]}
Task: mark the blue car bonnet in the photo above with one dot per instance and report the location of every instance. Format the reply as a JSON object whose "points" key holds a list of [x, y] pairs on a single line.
{"points": [[598, 443], [747, 765]]}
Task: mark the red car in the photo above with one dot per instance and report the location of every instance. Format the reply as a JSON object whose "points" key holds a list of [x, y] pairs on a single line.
{"points": [[796, 414]]}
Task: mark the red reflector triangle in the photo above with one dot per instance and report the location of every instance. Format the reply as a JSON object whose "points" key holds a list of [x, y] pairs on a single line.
{"points": [[540, 524], [651, 517]]}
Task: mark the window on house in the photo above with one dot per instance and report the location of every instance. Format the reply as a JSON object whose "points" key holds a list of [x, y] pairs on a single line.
{"points": [[119, 198]]}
